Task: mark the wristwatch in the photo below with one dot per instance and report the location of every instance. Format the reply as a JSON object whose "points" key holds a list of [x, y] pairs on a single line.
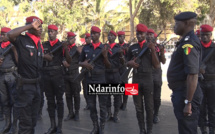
{"points": [[186, 101]]}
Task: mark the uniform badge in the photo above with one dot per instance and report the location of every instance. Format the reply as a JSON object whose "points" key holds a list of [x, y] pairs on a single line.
{"points": [[187, 48], [186, 38]]}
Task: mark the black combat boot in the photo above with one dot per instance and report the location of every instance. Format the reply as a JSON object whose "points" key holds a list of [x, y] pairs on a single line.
{"points": [[211, 130], [59, 126], [156, 118], [7, 125], [76, 118], [102, 127], [53, 127], [95, 128], [70, 107], [109, 115], [115, 115], [142, 127]]}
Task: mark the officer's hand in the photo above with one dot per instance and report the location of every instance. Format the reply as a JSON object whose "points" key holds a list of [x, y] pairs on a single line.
{"points": [[87, 65], [132, 63], [65, 64], [202, 71], [151, 45], [1, 61], [105, 51], [161, 47], [187, 110], [36, 24], [48, 57], [79, 49], [65, 44]]}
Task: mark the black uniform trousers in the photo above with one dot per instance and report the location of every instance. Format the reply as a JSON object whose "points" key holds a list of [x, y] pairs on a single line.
{"points": [[27, 106], [157, 81], [208, 88], [186, 124], [42, 94], [84, 85], [72, 90], [8, 86], [124, 98], [54, 90], [144, 98], [113, 78], [102, 99]]}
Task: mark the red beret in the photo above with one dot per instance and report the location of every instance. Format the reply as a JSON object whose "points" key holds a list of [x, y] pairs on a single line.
{"points": [[112, 32], [155, 35], [54, 27], [121, 33], [95, 29], [206, 28], [150, 31], [32, 18], [87, 35], [70, 34], [141, 28], [197, 32], [5, 29]]}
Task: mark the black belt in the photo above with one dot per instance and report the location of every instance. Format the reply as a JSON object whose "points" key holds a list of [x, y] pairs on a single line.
{"points": [[112, 70], [7, 70], [97, 71], [175, 85], [209, 76], [21, 80], [71, 71], [52, 68]]}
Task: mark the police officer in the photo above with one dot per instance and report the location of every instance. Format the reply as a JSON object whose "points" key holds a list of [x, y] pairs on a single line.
{"points": [[71, 71], [183, 72], [112, 74], [53, 78], [30, 55], [97, 75], [124, 46], [207, 85], [157, 75], [87, 41], [143, 77], [8, 62]]}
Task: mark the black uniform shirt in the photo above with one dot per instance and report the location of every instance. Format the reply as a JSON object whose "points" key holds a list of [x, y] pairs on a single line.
{"points": [[185, 59], [29, 57], [210, 64], [113, 57], [9, 59], [57, 56], [75, 58], [145, 65], [88, 52]]}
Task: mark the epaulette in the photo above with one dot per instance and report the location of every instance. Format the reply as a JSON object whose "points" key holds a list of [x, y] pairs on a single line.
{"points": [[187, 38]]}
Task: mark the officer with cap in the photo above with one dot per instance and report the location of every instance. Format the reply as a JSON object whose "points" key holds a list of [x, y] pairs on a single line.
{"points": [[72, 89], [183, 72], [87, 41], [112, 74], [53, 78], [208, 84], [157, 74], [8, 63], [124, 46], [142, 75], [30, 56], [97, 75]]}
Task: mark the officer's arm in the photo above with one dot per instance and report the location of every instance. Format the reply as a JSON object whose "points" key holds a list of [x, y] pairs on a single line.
{"points": [[13, 34], [67, 55], [15, 53], [105, 55], [192, 80], [162, 57]]}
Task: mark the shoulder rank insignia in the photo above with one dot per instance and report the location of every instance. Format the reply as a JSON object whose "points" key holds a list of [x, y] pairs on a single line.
{"points": [[187, 38], [187, 48]]}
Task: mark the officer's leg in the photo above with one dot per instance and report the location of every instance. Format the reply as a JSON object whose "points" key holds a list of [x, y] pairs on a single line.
{"points": [[69, 101], [50, 96], [58, 83], [186, 124], [76, 91], [103, 113], [117, 104], [5, 99], [42, 98], [109, 114], [210, 93], [138, 102], [36, 105], [93, 113], [149, 105], [84, 85], [25, 96], [157, 99]]}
